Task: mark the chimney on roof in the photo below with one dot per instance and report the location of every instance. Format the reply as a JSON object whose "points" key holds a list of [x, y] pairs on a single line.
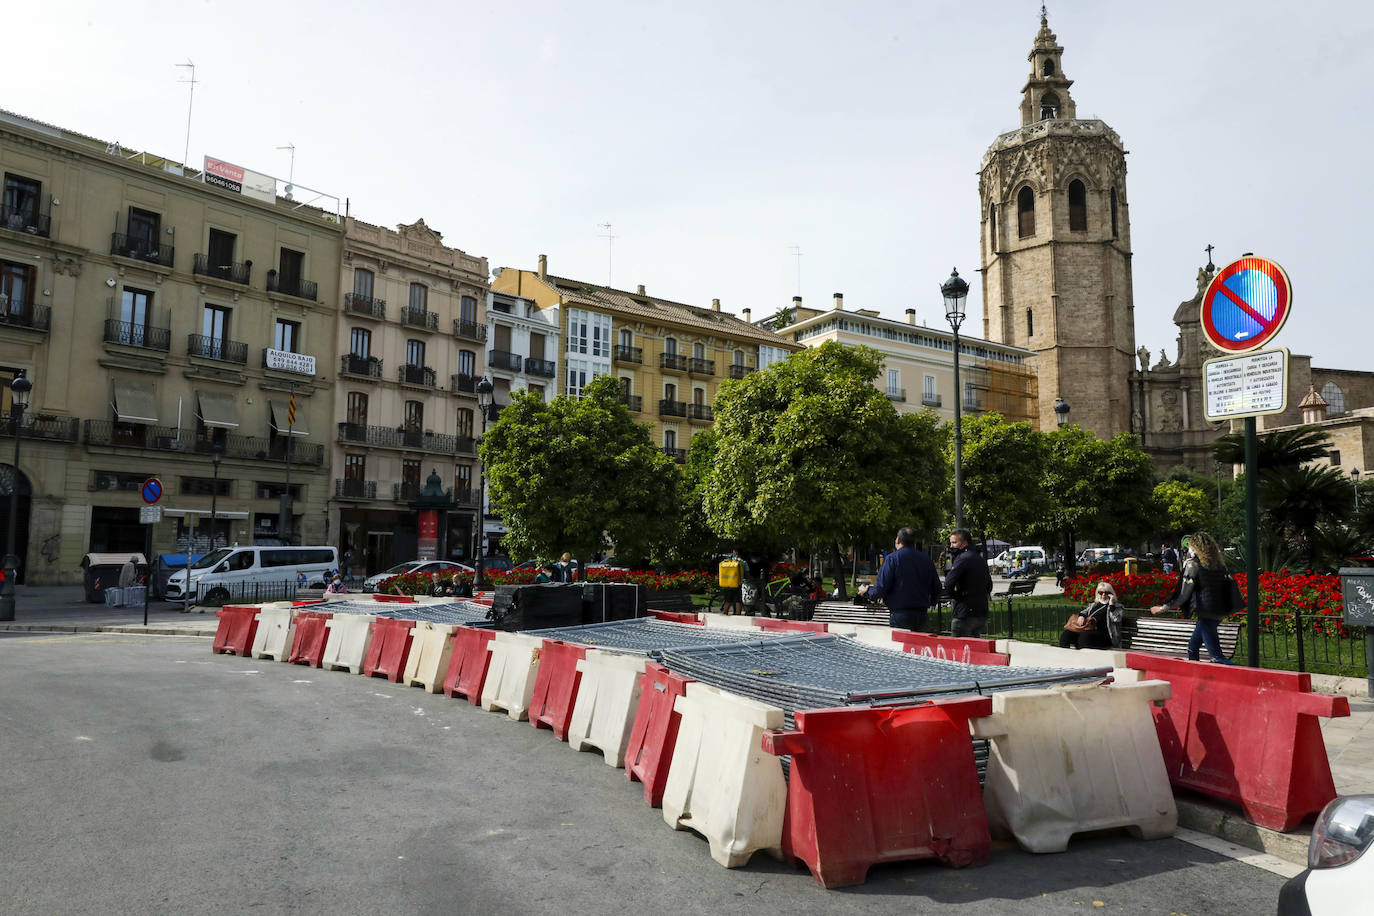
{"points": [[839, 301], [715, 305], [746, 314], [640, 290], [543, 267], [910, 316]]}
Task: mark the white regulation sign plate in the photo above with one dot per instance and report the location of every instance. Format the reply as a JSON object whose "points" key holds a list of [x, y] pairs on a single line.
{"points": [[1247, 385]]}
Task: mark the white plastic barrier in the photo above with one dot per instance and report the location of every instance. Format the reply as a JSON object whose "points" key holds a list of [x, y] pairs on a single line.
{"points": [[721, 783], [431, 647], [733, 621], [276, 625], [607, 698], [1076, 758], [1039, 655], [868, 633], [510, 677], [346, 647]]}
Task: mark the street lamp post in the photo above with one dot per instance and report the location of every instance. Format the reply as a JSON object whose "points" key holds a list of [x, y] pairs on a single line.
{"points": [[19, 399], [484, 400], [1216, 470], [216, 456], [1354, 479], [955, 291], [1061, 419]]}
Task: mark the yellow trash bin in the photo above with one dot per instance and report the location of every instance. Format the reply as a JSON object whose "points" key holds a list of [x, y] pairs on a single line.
{"points": [[1132, 566]]}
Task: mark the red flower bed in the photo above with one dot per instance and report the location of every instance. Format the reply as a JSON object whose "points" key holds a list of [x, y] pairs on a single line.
{"points": [[1316, 598]]}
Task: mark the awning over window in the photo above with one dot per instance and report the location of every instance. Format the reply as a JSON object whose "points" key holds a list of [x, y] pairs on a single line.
{"points": [[279, 419], [135, 402], [217, 410]]}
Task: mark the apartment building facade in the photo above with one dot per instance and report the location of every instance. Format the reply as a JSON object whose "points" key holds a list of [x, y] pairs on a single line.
{"points": [[918, 373], [669, 357], [412, 333], [167, 325]]}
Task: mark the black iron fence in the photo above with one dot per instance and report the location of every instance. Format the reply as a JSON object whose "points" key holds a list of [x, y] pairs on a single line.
{"points": [[24, 314], [369, 366], [234, 271], [355, 489], [504, 359], [131, 334], [463, 384], [629, 354], [419, 318], [172, 439], [292, 286], [358, 304], [220, 348], [141, 249], [416, 375], [38, 426], [469, 330], [542, 367]]}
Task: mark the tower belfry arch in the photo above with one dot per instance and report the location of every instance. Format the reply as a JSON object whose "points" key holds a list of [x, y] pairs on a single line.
{"points": [[1056, 259]]}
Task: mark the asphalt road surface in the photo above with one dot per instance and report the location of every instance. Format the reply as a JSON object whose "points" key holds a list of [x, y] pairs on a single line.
{"points": [[147, 775]]}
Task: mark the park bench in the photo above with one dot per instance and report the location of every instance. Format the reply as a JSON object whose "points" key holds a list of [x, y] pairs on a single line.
{"points": [[1170, 635], [1018, 587], [849, 612], [676, 600]]}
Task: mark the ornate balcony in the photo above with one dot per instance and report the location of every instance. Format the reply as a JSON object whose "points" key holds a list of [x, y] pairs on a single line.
{"points": [[738, 371], [469, 330], [405, 492], [677, 454], [222, 349], [896, 394], [701, 412], [930, 400], [633, 402], [141, 249], [543, 367], [172, 439], [233, 272], [629, 355], [130, 334], [419, 318], [697, 366], [366, 306], [24, 315], [462, 384], [355, 489], [668, 408], [672, 362], [419, 376], [25, 219], [292, 286], [43, 426], [504, 359], [366, 366]]}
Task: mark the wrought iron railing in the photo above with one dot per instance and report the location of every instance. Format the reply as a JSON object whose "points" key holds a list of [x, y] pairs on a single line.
{"points": [[129, 334], [354, 364], [629, 354], [228, 351], [358, 304], [404, 438], [355, 489], [698, 366], [700, 412], [24, 315], [405, 492], [233, 272], [419, 318], [416, 375], [542, 367], [172, 439], [896, 394], [668, 408], [737, 371], [141, 249], [633, 402], [462, 384], [677, 454], [469, 330], [504, 359], [672, 361], [25, 219], [930, 400], [40, 426], [292, 286]]}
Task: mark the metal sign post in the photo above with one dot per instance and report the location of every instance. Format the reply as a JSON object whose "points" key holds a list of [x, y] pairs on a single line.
{"points": [[149, 514], [1244, 307]]}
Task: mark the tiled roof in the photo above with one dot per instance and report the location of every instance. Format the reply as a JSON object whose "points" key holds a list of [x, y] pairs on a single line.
{"points": [[652, 308]]}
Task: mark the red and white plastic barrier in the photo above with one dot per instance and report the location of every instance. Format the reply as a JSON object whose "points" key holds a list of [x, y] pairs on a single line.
{"points": [[606, 703]]}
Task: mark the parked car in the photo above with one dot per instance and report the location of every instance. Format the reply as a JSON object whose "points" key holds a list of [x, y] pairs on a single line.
{"points": [[1024, 559], [491, 564], [234, 571], [1338, 874], [443, 568], [1100, 555]]}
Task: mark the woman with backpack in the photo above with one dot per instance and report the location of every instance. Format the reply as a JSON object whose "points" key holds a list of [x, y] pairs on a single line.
{"points": [[1207, 591]]}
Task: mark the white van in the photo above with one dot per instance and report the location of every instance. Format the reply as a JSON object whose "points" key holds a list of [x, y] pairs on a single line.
{"points": [[1033, 558], [244, 573]]}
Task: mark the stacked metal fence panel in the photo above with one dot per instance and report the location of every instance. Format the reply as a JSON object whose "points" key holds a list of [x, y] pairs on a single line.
{"points": [[460, 612], [645, 635]]}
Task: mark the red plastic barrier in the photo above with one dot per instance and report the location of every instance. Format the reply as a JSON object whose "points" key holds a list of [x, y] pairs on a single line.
{"points": [[677, 617], [309, 638], [237, 626], [467, 666], [395, 599], [555, 686], [386, 653], [655, 730], [875, 784], [1245, 735], [954, 648], [774, 625], [307, 603]]}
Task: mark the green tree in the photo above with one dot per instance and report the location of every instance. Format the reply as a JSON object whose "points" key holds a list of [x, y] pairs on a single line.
{"points": [[998, 460], [570, 473], [1185, 508], [808, 451], [1282, 448], [691, 541], [1101, 490]]}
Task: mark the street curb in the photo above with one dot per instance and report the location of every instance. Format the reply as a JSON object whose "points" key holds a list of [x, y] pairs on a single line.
{"points": [[91, 628], [1230, 825]]}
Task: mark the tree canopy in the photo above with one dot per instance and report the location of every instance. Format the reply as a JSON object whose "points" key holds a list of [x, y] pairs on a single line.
{"points": [[1099, 489], [808, 451], [1185, 508], [999, 459], [570, 473]]}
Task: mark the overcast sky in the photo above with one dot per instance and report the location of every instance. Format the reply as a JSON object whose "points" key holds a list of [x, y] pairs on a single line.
{"points": [[716, 136]]}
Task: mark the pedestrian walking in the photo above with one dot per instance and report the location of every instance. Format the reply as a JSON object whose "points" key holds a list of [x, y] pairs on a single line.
{"points": [[907, 583], [1208, 591], [970, 584], [1170, 558]]}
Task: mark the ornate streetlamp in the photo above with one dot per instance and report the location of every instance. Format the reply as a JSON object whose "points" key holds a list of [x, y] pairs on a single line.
{"points": [[484, 401], [20, 389], [216, 456], [955, 291]]}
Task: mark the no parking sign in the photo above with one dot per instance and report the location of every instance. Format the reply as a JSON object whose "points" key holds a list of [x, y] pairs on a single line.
{"points": [[1246, 304]]}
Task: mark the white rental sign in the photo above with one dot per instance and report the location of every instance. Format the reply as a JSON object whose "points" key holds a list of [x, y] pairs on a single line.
{"points": [[1246, 386], [243, 181], [290, 362]]}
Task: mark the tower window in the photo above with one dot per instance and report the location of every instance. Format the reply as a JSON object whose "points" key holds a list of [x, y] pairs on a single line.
{"points": [[1078, 206], [1049, 106], [1047, 68], [992, 225], [1115, 234], [1025, 212], [1030, 324]]}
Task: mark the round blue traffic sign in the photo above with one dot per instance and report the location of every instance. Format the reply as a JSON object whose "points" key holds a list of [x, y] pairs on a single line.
{"points": [[1246, 304], [152, 490]]}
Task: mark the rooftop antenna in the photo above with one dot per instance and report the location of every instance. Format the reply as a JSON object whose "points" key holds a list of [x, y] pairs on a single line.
{"points": [[190, 100], [291, 172], [610, 240], [796, 253]]}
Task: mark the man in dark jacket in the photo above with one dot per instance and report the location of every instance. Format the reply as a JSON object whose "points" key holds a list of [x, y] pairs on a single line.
{"points": [[970, 583], [907, 582]]}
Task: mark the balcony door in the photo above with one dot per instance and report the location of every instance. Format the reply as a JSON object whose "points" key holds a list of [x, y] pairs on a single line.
{"points": [[16, 286], [215, 330], [135, 315], [362, 283], [221, 250]]}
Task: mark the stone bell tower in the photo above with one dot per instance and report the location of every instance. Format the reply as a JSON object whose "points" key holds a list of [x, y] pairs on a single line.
{"points": [[1056, 248]]}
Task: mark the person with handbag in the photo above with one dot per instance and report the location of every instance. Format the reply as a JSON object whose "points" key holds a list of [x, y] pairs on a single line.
{"points": [[1088, 628], [1209, 592]]}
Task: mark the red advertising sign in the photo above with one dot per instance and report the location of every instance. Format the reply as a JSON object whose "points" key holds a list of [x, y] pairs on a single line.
{"points": [[428, 540]]}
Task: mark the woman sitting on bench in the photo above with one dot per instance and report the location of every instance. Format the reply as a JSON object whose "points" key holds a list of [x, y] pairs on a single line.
{"points": [[1090, 625]]}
